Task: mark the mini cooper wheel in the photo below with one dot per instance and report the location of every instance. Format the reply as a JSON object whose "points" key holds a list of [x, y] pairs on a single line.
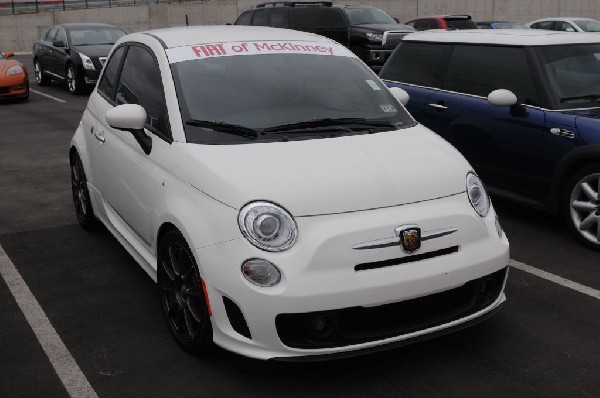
{"points": [[73, 81], [81, 195], [582, 205], [182, 296], [40, 78]]}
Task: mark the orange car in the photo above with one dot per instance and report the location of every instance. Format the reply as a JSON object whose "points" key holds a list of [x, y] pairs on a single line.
{"points": [[14, 80]]}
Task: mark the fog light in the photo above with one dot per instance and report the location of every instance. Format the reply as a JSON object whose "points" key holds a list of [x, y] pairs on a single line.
{"points": [[261, 272], [322, 326], [499, 228]]}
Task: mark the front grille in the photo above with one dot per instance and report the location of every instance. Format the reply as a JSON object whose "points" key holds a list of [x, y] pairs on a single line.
{"points": [[355, 325], [407, 259], [393, 38]]}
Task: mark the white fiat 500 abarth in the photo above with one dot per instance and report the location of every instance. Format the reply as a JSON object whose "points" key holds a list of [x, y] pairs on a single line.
{"points": [[281, 196]]}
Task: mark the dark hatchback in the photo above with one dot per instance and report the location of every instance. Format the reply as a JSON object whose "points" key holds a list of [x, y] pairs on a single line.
{"points": [[73, 53], [522, 106]]}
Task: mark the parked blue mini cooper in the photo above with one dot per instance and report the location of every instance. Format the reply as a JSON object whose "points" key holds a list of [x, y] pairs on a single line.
{"points": [[522, 106]]}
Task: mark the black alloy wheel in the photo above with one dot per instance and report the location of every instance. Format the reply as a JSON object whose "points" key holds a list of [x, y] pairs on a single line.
{"points": [[81, 195], [182, 296], [73, 81], [40, 78]]}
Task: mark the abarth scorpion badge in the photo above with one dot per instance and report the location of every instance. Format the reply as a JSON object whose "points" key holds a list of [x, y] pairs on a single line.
{"points": [[410, 237]]}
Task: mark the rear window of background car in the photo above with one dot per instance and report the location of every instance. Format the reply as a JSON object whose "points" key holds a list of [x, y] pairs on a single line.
{"points": [[245, 18], [479, 70], [417, 63], [317, 17]]}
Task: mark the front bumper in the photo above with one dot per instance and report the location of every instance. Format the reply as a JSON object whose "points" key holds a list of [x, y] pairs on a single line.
{"points": [[376, 55], [16, 86], [318, 275], [89, 76]]}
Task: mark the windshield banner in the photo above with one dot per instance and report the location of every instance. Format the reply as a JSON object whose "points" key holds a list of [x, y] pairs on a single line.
{"points": [[202, 51]]}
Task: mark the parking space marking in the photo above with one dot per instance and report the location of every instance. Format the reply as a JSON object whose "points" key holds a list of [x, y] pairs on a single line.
{"points": [[47, 95], [556, 279], [61, 359]]}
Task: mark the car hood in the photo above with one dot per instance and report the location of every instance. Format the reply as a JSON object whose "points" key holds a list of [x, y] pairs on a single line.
{"points": [[330, 175], [384, 27], [96, 50], [592, 113], [5, 64]]}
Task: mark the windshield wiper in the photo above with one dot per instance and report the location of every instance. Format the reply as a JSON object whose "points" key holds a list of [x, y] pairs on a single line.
{"points": [[589, 97], [329, 122], [223, 127]]}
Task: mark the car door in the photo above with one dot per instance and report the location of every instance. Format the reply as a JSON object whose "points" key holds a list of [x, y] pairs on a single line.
{"points": [[45, 49], [58, 57], [129, 180], [503, 144], [418, 68]]}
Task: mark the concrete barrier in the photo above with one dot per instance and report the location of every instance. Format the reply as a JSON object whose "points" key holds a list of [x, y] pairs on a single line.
{"points": [[17, 32]]}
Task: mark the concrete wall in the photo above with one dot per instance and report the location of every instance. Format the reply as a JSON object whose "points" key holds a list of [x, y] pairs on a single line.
{"points": [[17, 32]]}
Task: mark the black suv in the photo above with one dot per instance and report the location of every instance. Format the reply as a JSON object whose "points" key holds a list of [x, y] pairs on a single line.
{"points": [[369, 32]]}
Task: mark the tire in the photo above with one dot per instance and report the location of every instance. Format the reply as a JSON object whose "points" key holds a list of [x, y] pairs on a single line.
{"points": [[182, 296], [74, 82], [40, 78], [581, 205], [81, 196]]}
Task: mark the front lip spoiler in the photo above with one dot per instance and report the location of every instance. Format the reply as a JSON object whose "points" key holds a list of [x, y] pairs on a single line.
{"points": [[390, 346]]}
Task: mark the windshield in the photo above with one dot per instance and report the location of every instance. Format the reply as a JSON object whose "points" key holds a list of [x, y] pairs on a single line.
{"points": [[573, 73], [292, 93], [87, 36], [363, 16], [589, 25]]}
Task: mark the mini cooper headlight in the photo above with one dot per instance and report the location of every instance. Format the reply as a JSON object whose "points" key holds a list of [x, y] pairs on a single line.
{"points": [[14, 70], [87, 62], [374, 37], [268, 226], [477, 195]]}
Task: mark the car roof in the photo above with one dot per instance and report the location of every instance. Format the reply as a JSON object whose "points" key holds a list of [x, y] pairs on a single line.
{"points": [[190, 35], [509, 37], [563, 19], [86, 25], [443, 16]]}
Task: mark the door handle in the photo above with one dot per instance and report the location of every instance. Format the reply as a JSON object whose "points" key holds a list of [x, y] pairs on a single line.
{"points": [[438, 106], [99, 136]]}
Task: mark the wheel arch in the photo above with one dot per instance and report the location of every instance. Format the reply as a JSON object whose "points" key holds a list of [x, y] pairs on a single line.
{"points": [[569, 164]]}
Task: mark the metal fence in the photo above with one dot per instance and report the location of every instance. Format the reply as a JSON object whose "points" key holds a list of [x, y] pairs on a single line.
{"points": [[33, 6]]}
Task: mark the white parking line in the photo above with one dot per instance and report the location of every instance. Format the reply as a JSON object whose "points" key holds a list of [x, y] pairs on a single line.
{"points": [[556, 279], [47, 95], [65, 366]]}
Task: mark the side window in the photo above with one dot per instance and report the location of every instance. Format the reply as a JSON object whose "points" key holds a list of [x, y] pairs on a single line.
{"points": [[411, 23], [260, 18], [479, 70], [564, 27], [279, 18], [140, 83], [543, 25], [417, 63], [61, 35], [51, 35], [433, 24], [318, 17], [109, 78], [244, 19]]}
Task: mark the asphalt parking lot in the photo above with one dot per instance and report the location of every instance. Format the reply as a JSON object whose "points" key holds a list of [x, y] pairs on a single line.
{"points": [[105, 309]]}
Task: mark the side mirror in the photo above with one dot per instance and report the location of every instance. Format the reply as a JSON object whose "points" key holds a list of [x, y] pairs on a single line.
{"points": [[58, 43], [502, 98], [401, 95], [9, 54], [132, 118]]}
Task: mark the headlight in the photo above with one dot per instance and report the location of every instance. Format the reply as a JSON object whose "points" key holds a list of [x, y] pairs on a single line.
{"points": [[14, 70], [477, 195], [375, 37], [268, 226], [87, 62]]}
